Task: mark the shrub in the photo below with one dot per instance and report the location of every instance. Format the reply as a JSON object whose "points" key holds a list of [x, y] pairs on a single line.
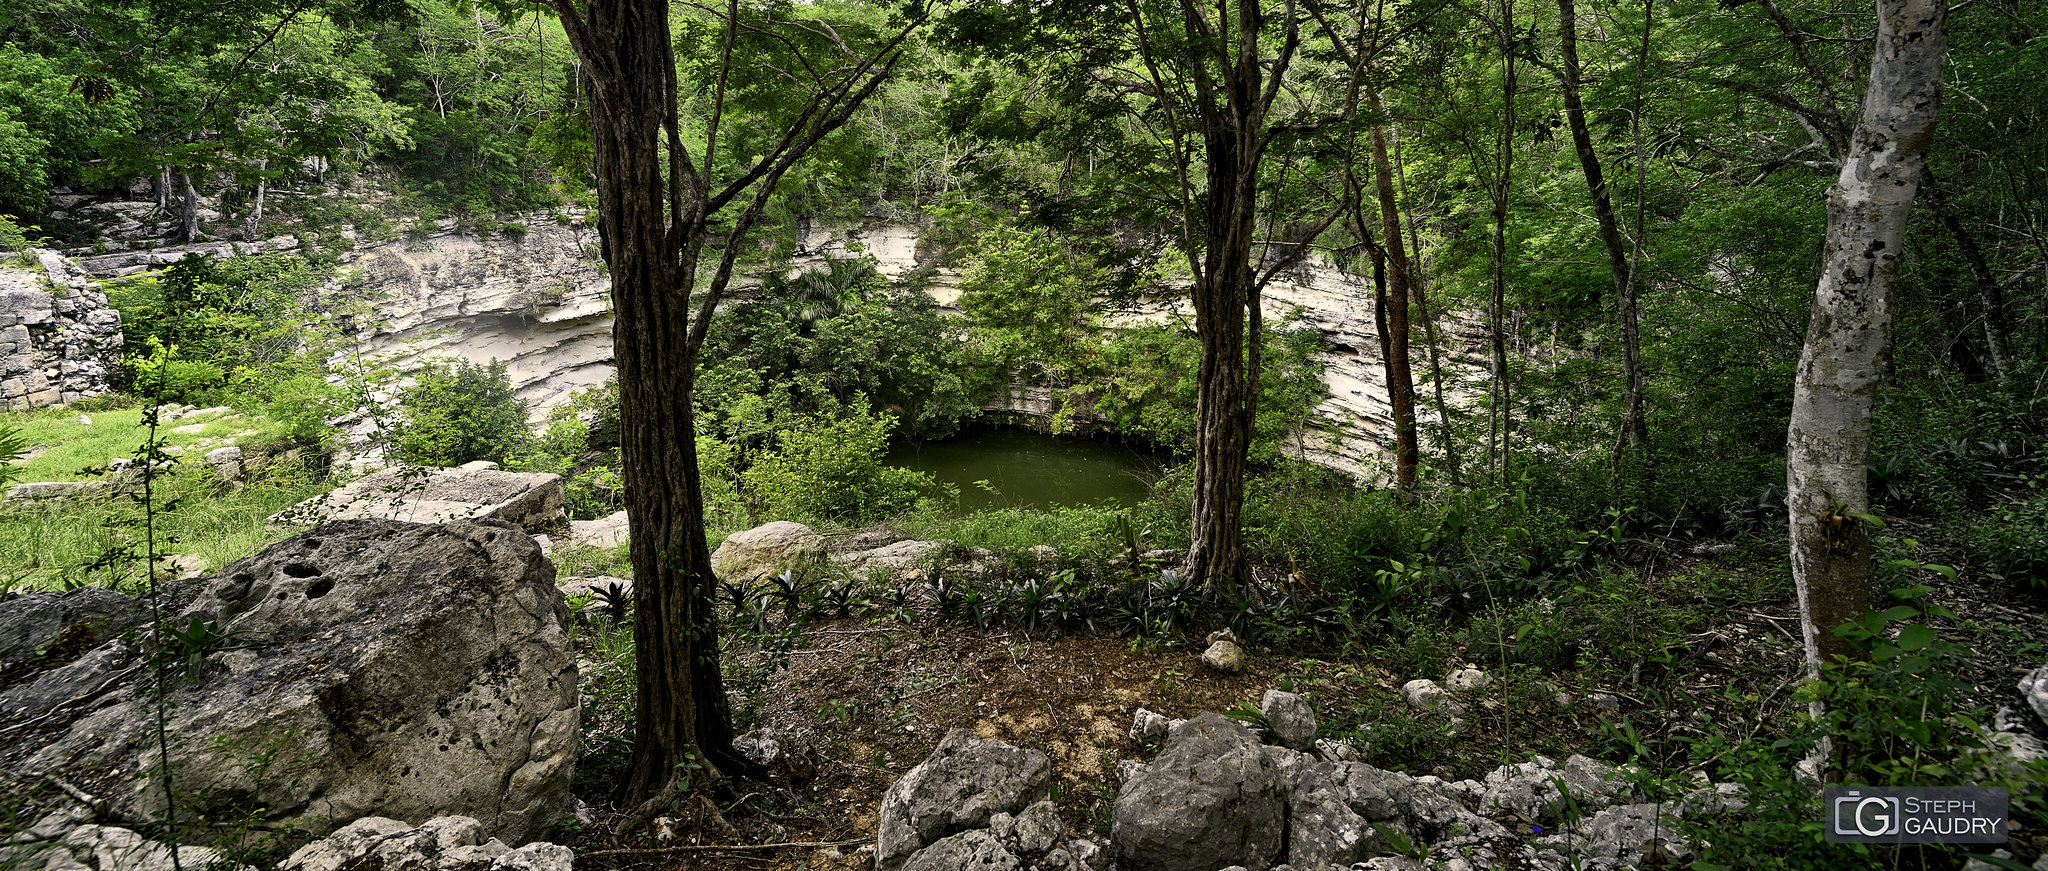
{"points": [[832, 470], [460, 414]]}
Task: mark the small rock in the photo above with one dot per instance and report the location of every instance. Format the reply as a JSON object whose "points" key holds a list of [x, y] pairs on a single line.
{"points": [[1564, 700], [1148, 727], [1337, 751], [1224, 656], [1423, 694], [1290, 718], [1605, 703], [84, 420], [1468, 678], [480, 466]]}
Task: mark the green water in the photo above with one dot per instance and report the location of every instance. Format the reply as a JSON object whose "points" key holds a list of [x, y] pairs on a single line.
{"points": [[1031, 470]]}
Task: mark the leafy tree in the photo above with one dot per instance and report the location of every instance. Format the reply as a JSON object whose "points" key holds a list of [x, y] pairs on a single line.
{"points": [[461, 414], [770, 88], [831, 469]]}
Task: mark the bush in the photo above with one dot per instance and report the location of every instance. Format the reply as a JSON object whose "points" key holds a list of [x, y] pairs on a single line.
{"points": [[460, 414], [832, 470], [161, 373]]}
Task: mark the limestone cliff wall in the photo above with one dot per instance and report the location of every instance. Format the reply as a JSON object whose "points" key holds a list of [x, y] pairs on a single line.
{"points": [[59, 340]]}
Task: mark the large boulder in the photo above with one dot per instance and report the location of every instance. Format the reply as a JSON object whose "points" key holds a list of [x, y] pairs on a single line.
{"points": [[1211, 800], [966, 781], [448, 842], [366, 667], [532, 500], [766, 551], [1345, 812], [2034, 688]]}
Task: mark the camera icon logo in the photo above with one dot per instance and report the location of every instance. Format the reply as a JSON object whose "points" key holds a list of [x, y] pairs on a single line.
{"points": [[1871, 816]]}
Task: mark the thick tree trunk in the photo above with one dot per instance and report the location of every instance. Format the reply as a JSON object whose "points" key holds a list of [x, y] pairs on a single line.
{"points": [[1848, 340], [1633, 430], [1222, 386], [1400, 374], [651, 245]]}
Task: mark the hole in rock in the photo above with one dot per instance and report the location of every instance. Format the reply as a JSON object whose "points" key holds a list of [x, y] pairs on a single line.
{"points": [[300, 570], [319, 588]]}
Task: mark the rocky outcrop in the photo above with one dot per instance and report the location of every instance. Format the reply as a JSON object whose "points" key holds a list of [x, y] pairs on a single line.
{"points": [[1217, 799], [532, 500], [59, 339], [366, 667], [976, 803], [1212, 799]]}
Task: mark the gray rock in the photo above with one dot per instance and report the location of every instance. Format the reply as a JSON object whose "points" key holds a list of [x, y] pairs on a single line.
{"points": [[896, 557], [35, 624], [759, 747], [1148, 727], [481, 466], [1031, 834], [1224, 656], [605, 532], [57, 491], [1290, 718], [450, 843], [1468, 678], [225, 462], [1530, 790], [1626, 834], [115, 849], [1423, 694], [387, 668], [765, 551], [1336, 751], [975, 850], [1211, 799], [964, 782], [529, 499], [2034, 688], [1606, 703]]}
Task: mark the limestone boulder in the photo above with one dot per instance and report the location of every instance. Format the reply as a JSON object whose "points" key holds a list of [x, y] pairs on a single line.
{"points": [[1212, 799], [2034, 688], [1290, 718], [605, 532], [440, 844], [381, 668], [966, 781], [757, 554], [532, 500]]}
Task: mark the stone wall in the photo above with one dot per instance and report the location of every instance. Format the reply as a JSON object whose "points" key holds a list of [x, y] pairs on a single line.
{"points": [[59, 340]]}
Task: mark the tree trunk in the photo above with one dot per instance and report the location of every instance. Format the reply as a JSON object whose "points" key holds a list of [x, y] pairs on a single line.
{"points": [[256, 210], [1633, 430], [651, 246], [1500, 429], [1222, 388], [1990, 297], [1429, 333], [188, 227], [1848, 340], [1400, 376]]}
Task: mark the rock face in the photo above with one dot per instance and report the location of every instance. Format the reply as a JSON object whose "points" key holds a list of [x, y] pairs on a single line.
{"points": [[1211, 800], [366, 667], [964, 783], [529, 499], [536, 300], [765, 551], [59, 338]]}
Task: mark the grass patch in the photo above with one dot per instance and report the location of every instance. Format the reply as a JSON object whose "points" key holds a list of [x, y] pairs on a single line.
{"points": [[69, 544], [68, 448]]}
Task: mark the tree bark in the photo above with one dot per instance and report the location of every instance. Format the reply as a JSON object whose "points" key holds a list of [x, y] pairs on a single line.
{"points": [[1990, 297], [256, 210], [1400, 374], [1429, 333], [1848, 339], [652, 238], [188, 225], [1619, 266], [1222, 388], [1500, 429]]}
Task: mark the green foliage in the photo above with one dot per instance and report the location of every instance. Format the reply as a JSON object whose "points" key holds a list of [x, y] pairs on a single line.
{"points": [[163, 371], [1029, 304], [461, 413], [12, 448], [13, 236], [821, 341], [831, 470]]}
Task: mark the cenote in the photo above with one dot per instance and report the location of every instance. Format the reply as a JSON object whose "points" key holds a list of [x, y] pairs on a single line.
{"points": [[1030, 469]]}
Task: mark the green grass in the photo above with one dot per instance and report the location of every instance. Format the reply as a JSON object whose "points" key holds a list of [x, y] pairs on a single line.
{"points": [[68, 447], [57, 546]]}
